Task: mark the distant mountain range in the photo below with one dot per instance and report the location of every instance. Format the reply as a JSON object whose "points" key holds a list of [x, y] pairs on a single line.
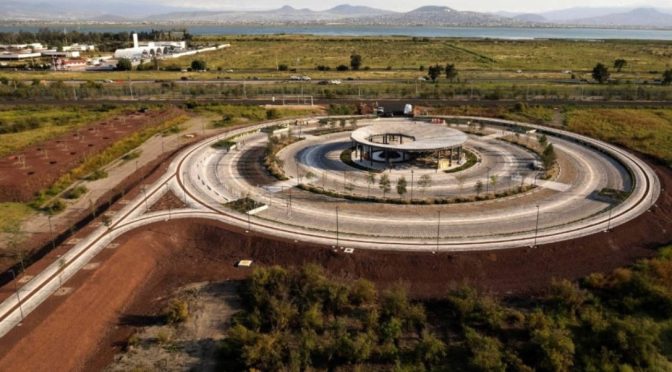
{"points": [[110, 11]]}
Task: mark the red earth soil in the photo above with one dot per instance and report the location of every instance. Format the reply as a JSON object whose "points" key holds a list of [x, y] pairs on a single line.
{"points": [[37, 167], [83, 329]]}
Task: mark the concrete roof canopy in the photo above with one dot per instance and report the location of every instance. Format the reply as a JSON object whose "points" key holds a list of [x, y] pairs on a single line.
{"points": [[425, 137]]}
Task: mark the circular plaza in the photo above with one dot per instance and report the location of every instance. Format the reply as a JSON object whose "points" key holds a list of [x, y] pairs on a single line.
{"points": [[457, 183]]}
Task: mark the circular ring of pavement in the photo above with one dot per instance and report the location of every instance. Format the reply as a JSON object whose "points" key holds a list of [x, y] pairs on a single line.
{"points": [[204, 185]]}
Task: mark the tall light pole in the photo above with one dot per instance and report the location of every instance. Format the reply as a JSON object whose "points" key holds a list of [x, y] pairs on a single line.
{"points": [[16, 290], [51, 234], [611, 208], [411, 185], [536, 229], [337, 232], [487, 181], [438, 231]]}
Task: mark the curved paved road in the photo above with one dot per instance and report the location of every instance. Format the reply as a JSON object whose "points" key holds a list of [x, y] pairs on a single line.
{"points": [[191, 177]]}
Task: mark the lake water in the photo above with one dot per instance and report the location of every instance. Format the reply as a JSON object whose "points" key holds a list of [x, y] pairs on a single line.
{"points": [[511, 33]]}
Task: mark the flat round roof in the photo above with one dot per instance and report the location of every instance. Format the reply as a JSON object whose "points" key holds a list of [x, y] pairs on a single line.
{"points": [[428, 137]]}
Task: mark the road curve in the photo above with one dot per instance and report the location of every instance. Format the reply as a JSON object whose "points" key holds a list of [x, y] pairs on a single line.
{"points": [[184, 179]]}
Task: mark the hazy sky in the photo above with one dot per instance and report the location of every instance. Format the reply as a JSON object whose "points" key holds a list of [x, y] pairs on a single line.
{"points": [[405, 5]]}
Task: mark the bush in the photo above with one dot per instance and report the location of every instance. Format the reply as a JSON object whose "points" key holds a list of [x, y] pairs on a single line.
{"points": [[75, 192], [54, 207], [198, 65], [124, 64], [96, 175], [342, 68], [272, 114], [176, 312]]}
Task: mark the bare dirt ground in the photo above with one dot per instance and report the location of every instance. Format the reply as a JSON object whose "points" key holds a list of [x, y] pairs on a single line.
{"points": [[85, 328], [191, 345], [37, 167]]}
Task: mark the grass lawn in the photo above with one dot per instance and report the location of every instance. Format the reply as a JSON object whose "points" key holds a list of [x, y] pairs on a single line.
{"points": [[645, 130]]}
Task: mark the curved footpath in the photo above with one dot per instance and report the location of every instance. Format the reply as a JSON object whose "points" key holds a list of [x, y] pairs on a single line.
{"points": [[187, 178]]}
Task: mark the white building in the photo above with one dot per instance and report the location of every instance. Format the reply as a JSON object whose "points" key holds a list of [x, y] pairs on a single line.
{"points": [[63, 54], [150, 49], [79, 48]]}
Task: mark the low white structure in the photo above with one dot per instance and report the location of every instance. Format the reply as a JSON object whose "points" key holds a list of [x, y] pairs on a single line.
{"points": [[60, 54], [15, 56], [150, 49]]}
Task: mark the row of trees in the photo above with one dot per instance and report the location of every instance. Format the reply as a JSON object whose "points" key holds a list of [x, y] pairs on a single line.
{"points": [[385, 185], [601, 72], [301, 319], [433, 72]]}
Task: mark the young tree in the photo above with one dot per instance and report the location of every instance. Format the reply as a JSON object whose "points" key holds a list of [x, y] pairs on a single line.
{"points": [[548, 156], [434, 72], [370, 180], [124, 64], [384, 184], [355, 61], [424, 182], [478, 188], [401, 186], [543, 140], [667, 77], [451, 72], [493, 181], [601, 73], [619, 64]]}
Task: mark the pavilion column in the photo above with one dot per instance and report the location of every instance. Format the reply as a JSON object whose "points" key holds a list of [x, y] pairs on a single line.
{"points": [[450, 161]]}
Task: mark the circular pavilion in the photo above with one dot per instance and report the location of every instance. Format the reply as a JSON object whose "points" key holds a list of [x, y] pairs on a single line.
{"points": [[395, 142]]}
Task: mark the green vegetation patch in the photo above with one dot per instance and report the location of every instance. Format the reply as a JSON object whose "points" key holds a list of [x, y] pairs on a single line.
{"points": [[225, 144], [244, 205], [75, 192], [302, 319], [13, 214], [472, 159], [646, 130], [271, 161], [23, 126]]}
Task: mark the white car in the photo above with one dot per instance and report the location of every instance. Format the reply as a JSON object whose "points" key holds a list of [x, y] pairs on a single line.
{"points": [[334, 82]]}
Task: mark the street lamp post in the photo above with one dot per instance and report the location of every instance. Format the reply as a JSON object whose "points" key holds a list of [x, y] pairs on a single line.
{"points": [[536, 229], [487, 181], [337, 230], [51, 233], [609, 219], [411, 184], [438, 231], [16, 290]]}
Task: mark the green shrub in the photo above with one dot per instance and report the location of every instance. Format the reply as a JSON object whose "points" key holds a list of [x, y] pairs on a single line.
{"points": [[177, 312], [75, 192]]}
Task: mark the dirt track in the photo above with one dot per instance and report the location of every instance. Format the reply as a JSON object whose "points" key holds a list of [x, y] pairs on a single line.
{"points": [[84, 328]]}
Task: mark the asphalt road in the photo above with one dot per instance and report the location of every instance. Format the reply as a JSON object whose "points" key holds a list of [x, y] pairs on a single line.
{"points": [[188, 178]]}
